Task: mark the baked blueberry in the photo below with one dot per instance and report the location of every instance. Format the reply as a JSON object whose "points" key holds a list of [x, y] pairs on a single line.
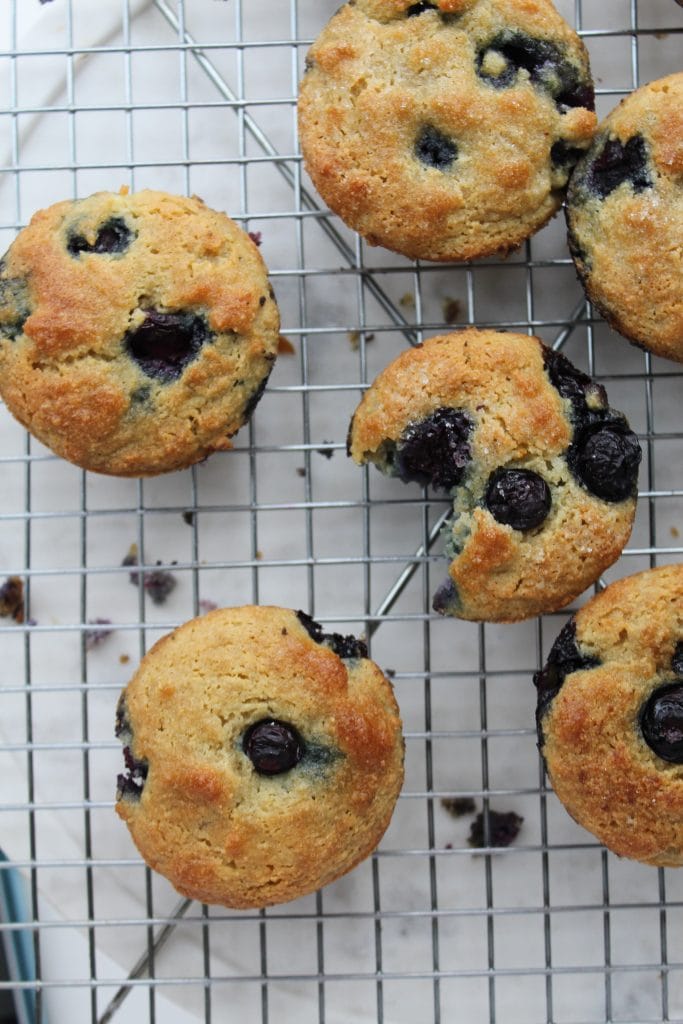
{"points": [[15, 306], [273, 747], [661, 722], [420, 8], [435, 149], [573, 383], [617, 163], [612, 737], [519, 498], [113, 238], [343, 646], [677, 660], [564, 658], [165, 343], [131, 782], [274, 765], [605, 457], [435, 451], [500, 62]]}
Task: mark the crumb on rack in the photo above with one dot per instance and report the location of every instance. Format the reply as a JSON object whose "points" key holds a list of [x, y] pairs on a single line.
{"points": [[674, 531], [284, 346], [327, 450], [207, 606], [459, 806], [124, 659], [94, 637], [503, 829], [188, 516], [451, 310], [158, 583], [12, 599], [301, 470], [407, 300]]}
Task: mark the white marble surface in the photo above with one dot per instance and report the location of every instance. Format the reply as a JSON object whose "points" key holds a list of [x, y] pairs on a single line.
{"points": [[286, 554]]}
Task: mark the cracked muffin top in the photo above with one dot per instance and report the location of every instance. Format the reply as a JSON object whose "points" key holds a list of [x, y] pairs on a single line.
{"points": [[445, 130], [610, 716], [625, 217], [542, 472], [137, 332], [263, 756]]}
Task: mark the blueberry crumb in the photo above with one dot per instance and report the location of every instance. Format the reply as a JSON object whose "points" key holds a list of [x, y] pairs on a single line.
{"points": [[12, 599], [503, 829], [328, 452], [94, 637], [459, 806], [189, 516], [255, 236], [158, 583]]}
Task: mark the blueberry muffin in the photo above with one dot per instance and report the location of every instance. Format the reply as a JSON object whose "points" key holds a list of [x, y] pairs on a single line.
{"points": [[542, 472], [263, 757], [625, 217], [137, 332], [610, 716], [445, 130]]}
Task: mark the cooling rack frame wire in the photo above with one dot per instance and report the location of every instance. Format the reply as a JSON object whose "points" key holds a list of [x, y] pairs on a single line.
{"points": [[433, 978]]}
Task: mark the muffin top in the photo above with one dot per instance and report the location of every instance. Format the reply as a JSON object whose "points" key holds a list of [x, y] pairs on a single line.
{"points": [[445, 130], [136, 331], [610, 716], [263, 756], [625, 217], [541, 471]]}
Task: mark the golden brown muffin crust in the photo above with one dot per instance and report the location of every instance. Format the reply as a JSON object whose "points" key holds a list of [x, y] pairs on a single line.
{"points": [[601, 768], [218, 830], [65, 372]]}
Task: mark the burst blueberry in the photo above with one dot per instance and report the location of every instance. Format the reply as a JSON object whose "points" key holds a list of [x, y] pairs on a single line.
{"points": [[661, 722], [165, 343], [618, 163], [113, 238], [544, 63], [273, 747], [563, 659], [435, 450], [343, 646], [419, 8]]}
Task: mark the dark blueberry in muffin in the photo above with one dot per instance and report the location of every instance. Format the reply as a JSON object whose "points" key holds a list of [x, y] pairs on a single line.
{"points": [[677, 660], [570, 382], [661, 722], [419, 8], [14, 304], [563, 155], [131, 782], [435, 149], [273, 747], [165, 343], [256, 397], [518, 498], [343, 646], [445, 598], [563, 659], [113, 237], [435, 450], [605, 457], [617, 163], [544, 63]]}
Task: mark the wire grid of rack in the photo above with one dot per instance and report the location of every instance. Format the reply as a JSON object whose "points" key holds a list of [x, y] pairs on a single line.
{"points": [[199, 96]]}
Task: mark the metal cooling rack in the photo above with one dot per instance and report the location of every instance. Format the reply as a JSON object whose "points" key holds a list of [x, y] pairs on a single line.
{"points": [[199, 96]]}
